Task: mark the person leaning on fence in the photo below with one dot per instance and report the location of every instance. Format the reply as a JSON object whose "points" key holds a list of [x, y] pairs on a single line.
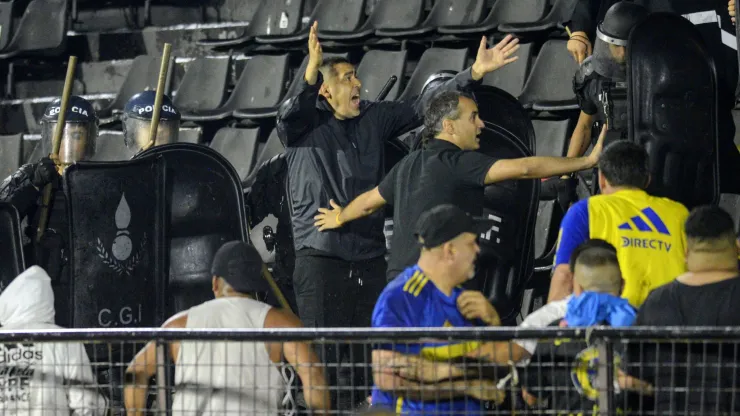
{"points": [[413, 378], [646, 230], [220, 377], [699, 379], [597, 284], [49, 378]]}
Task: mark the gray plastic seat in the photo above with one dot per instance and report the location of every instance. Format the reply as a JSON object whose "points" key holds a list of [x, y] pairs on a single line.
{"points": [[11, 154], [111, 148], [143, 75], [6, 23], [271, 20], [550, 83], [190, 135], [503, 11], [376, 68], [443, 13], [203, 86], [34, 153], [432, 61], [41, 31], [552, 140], [396, 15], [343, 20], [336, 18], [257, 93], [561, 12], [239, 146], [512, 77]]}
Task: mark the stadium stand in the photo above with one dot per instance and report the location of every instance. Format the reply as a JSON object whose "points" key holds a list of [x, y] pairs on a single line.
{"points": [[234, 63]]}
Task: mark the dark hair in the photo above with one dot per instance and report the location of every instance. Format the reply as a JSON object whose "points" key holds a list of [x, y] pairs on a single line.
{"points": [[592, 253], [709, 223], [624, 163], [444, 106], [329, 65]]}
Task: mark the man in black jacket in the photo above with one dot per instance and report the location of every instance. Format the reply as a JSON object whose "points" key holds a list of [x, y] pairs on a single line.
{"points": [[335, 151]]}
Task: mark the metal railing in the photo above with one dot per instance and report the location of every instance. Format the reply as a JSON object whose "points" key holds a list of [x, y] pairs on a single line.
{"points": [[605, 371]]}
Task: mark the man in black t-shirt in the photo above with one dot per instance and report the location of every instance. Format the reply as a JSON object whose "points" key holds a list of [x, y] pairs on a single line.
{"points": [[707, 295], [447, 171]]}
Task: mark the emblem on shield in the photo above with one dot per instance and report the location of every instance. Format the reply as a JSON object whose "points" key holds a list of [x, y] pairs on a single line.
{"points": [[120, 257]]}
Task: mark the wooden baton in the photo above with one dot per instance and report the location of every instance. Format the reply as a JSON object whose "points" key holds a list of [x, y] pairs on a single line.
{"points": [[57, 142]]}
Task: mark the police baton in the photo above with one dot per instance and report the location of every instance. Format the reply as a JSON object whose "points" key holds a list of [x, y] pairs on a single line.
{"points": [[158, 96], [56, 142]]}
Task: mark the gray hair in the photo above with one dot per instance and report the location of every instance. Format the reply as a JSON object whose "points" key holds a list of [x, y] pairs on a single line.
{"points": [[444, 106]]}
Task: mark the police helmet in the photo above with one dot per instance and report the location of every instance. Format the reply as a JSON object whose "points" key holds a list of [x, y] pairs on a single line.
{"points": [[80, 130], [619, 21], [137, 118]]}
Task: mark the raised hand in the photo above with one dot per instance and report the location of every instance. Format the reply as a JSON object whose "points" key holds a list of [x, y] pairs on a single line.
{"points": [[315, 55], [489, 60], [593, 157]]}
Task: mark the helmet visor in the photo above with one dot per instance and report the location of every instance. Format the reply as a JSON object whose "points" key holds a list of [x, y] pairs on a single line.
{"points": [[136, 132], [606, 61], [78, 141]]}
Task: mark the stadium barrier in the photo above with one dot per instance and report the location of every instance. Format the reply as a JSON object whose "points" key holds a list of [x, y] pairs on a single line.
{"points": [[653, 370]]}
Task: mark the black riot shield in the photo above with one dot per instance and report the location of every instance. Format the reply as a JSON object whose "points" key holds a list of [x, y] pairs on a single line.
{"points": [[116, 216], [11, 245], [206, 209], [672, 90], [506, 261]]}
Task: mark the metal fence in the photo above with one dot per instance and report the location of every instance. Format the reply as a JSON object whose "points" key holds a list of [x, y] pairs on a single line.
{"points": [[444, 371]]}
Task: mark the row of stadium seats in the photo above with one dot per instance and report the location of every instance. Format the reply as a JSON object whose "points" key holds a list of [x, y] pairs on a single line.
{"points": [[43, 27], [204, 92]]}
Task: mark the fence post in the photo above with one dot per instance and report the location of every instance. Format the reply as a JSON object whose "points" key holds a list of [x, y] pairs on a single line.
{"points": [[605, 376], [162, 396]]}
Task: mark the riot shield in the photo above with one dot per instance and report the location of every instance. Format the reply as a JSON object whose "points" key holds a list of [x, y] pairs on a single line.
{"points": [[205, 206], [11, 245], [506, 261], [672, 109], [116, 216]]}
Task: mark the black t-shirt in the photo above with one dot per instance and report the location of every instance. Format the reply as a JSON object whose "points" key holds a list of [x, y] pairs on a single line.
{"points": [[440, 174], [694, 376]]}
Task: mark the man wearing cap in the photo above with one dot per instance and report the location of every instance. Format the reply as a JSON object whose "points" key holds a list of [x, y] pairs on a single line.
{"points": [[231, 377], [23, 189], [414, 378], [447, 171]]}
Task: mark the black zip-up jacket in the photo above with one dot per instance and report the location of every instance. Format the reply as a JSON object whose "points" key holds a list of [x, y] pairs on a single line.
{"points": [[340, 159]]}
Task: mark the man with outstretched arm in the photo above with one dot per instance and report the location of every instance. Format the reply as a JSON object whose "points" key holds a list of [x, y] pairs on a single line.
{"points": [[335, 150], [447, 171]]}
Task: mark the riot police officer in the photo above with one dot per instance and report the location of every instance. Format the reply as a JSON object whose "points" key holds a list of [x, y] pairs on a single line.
{"points": [[24, 188], [137, 118], [600, 78]]}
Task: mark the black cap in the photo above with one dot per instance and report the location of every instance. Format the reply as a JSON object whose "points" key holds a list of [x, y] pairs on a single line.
{"points": [[79, 110], [141, 106], [445, 222], [241, 266]]}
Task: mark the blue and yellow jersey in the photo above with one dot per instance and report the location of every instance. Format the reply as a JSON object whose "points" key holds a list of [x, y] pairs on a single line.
{"points": [[412, 300], [647, 231]]}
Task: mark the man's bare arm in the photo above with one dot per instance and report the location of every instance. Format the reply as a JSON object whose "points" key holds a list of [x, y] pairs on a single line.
{"points": [[543, 166], [362, 206], [418, 379], [301, 356], [561, 283], [499, 352], [580, 139], [143, 367]]}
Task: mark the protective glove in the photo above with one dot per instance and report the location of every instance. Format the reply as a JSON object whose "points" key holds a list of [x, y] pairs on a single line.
{"points": [[45, 172]]}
